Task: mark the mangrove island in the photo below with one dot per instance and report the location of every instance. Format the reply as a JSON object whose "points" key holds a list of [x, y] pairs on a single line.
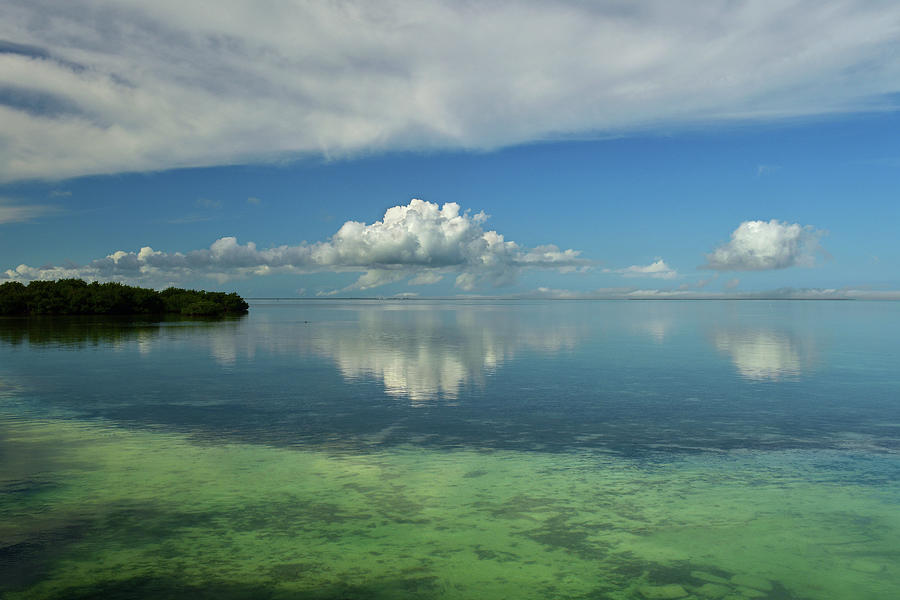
{"points": [[77, 297]]}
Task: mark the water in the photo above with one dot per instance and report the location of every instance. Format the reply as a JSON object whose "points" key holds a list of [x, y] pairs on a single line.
{"points": [[481, 449]]}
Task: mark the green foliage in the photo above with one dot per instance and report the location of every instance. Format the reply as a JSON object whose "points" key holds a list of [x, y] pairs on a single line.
{"points": [[177, 300], [13, 299], [203, 308], [76, 297]]}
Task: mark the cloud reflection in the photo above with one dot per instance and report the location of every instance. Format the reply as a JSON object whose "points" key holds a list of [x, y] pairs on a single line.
{"points": [[657, 329], [764, 355], [422, 354]]}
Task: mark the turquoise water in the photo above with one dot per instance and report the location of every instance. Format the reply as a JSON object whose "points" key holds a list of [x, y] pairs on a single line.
{"points": [[480, 449]]}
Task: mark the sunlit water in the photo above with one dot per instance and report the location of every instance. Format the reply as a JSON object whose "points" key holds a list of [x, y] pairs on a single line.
{"points": [[413, 449]]}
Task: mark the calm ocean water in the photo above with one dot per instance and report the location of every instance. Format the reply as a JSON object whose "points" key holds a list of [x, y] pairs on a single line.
{"points": [[438, 449]]}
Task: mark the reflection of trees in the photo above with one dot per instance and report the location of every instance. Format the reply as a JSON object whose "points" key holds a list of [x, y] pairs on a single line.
{"points": [[79, 331], [764, 355]]}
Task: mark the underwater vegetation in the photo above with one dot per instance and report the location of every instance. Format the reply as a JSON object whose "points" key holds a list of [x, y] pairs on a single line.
{"points": [[102, 511]]}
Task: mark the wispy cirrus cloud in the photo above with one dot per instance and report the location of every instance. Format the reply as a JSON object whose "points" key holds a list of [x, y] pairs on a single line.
{"points": [[13, 211], [100, 86], [208, 203], [766, 245], [763, 170], [420, 240]]}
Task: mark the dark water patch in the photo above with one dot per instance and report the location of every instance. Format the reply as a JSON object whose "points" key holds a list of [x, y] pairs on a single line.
{"points": [[170, 588], [26, 562], [138, 588], [560, 592], [31, 466], [314, 418], [498, 555], [683, 572], [405, 521], [598, 593], [396, 506], [413, 588], [419, 585], [636, 431], [325, 521], [560, 532], [360, 489], [296, 571], [35, 557], [518, 507], [138, 525], [439, 551], [475, 473], [780, 592], [625, 566], [683, 579], [24, 489]]}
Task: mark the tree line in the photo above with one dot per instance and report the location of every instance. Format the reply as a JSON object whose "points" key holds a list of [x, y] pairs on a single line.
{"points": [[77, 297]]}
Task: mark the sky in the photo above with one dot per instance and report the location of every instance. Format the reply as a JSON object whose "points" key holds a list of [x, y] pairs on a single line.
{"points": [[428, 148]]}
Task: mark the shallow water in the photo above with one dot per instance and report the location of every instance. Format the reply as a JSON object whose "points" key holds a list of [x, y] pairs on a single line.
{"points": [[626, 450]]}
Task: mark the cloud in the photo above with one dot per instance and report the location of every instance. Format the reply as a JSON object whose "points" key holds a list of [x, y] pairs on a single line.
{"points": [[208, 203], [426, 278], [14, 212], [187, 219], [208, 208], [98, 86], [787, 293], [763, 246], [762, 170], [706, 281], [657, 270], [420, 240]]}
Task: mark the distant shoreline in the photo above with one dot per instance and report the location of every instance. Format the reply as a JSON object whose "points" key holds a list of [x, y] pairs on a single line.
{"points": [[526, 299]]}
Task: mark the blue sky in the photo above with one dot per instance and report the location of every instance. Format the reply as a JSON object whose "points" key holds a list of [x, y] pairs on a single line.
{"points": [[619, 151]]}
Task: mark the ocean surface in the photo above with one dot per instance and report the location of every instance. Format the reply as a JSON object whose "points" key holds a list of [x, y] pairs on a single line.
{"points": [[644, 450]]}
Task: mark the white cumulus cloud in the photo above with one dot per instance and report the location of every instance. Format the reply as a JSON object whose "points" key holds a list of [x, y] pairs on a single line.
{"points": [[766, 245], [420, 240], [657, 270], [105, 86]]}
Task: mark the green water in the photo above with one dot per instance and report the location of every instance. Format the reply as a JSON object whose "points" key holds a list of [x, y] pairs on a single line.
{"points": [[514, 457]]}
